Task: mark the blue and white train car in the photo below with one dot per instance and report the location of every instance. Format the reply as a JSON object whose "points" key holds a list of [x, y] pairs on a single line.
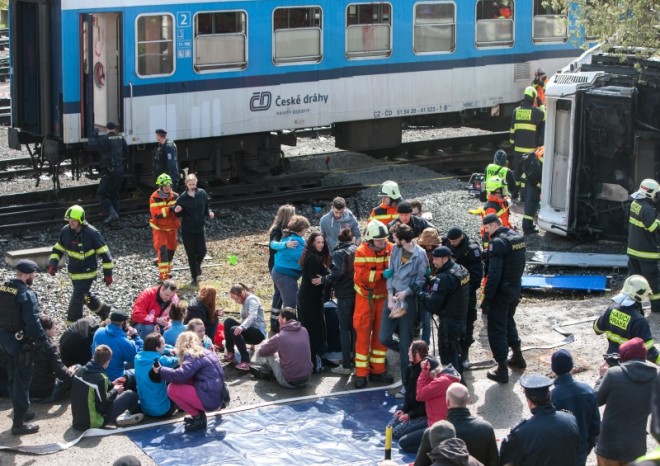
{"points": [[227, 78]]}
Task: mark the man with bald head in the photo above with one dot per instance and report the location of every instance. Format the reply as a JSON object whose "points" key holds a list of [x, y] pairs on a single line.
{"points": [[478, 435]]}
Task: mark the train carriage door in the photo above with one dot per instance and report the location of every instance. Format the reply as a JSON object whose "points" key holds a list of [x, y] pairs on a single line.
{"points": [[101, 71]]}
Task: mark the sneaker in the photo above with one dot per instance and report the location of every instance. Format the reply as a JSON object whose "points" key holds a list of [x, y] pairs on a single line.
{"points": [[128, 419], [24, 429], [341, 370], [243, 366], [229, 357], [401, 393], [261, 372]]}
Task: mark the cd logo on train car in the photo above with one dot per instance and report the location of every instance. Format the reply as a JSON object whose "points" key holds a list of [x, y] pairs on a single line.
{"points": [[260, 101]]}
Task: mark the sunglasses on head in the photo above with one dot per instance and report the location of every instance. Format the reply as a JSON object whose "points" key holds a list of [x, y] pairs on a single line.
{"points": [[170, 287]]}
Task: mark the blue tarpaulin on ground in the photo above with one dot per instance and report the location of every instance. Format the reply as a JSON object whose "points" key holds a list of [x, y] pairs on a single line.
{"points": [[343, 429], [566, 282]]}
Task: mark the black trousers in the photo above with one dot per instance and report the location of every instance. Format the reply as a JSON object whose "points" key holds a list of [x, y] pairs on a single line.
{"points": [[345, 309], [502, 330], [532, 199], [468, 338], [195, 246], [251, 336], [19, 375], [82, 296], [450, 333], [108, 192]]}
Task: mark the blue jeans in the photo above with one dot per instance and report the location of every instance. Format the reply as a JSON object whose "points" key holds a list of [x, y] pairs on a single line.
{"points": [[406, 327], [145, 329]]}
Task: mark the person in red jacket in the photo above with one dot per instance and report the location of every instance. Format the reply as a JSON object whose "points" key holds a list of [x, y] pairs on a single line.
{"points": [[164, 224], [152, 307]]}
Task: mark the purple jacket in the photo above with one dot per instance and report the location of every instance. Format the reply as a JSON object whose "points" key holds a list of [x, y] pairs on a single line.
{"points": [[206, 374], [292, 344]]}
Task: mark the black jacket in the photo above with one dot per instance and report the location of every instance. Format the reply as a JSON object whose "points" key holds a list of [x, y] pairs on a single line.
{"points": [[410, 405], [195, 210], [27, 307], [477, 434], [112, 149], [449, 292], [47, 366], [468, 254], [341, 270], [506, 264], [76, 341], [548, 438], [90, 398], [197, 310], [81, 248], [643, 231]]}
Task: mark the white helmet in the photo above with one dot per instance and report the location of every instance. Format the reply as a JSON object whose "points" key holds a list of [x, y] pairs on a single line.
{"points": [[636, 287], [375, 230], [390, 189], [649, 188]]}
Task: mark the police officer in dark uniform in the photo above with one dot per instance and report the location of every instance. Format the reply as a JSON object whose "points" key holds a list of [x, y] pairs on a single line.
{"points": [[467, 253], [20, 333], [644, 238], [449, 297], [549, 438], [113, 150], [506, 264], [166, 159]]}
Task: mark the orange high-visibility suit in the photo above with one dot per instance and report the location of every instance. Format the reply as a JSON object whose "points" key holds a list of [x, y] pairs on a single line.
{"points": [[164, 225], [384, 213], [370, 297]]}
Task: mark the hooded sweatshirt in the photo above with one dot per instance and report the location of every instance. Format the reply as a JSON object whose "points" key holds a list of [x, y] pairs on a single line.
{"points": [[433, 392], [152, 395], [452, 452], [292, 344], [626, 393], [330, 226]]}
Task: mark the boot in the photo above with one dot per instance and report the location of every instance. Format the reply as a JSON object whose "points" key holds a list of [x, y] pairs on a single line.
{"points": [[114, 216], [499, 375], [381, 378], [104, 312], [516, 360], [360, 382], [24, 429], [198, 423], [170, 255], [465, 359]]}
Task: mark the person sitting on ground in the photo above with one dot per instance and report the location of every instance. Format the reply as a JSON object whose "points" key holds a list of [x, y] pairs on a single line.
{"points": [[203, 307], [93, 403], [197, 385], [152, 307], [252, 329], [177, 314], [124, 342], [625, 390], [450, 452], [577, 398], [197, 327], [432, 388], [152, 392], [287, 352], [411, 416], [51, 378], [76, 341]]}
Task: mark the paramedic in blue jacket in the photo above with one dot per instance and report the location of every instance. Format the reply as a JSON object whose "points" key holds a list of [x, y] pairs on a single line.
{"points": [[153, 393], [124, 343]]}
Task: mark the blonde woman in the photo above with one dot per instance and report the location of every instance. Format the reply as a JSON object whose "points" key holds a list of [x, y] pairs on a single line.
{"points": [[193, 208], [196, 385], [275, 233]]}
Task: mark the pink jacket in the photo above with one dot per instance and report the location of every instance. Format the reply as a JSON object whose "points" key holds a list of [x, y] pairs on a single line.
{"points": [[433, 392]]}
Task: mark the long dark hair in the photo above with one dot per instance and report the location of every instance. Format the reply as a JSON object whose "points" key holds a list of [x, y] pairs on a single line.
{"points": [[309, 249]]}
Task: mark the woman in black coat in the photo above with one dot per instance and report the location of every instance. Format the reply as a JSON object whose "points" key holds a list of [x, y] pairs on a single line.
{"points": [[315, 263], [203, 307]]}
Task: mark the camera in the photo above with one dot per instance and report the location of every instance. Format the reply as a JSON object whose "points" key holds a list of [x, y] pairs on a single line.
{"points": [[612, 359]]}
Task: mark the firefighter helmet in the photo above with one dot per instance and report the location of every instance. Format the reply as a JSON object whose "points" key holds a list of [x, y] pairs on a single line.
{"points": [[75, 212], [390, 189], [164, 180], [636, 287], [539, 72], [649, 188], [494, 183], [375, 230], [530, 92]]}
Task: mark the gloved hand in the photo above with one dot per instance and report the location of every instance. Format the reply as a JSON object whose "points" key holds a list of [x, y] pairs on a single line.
{"points": [[52, 270], [387, 274], [108, 280]]}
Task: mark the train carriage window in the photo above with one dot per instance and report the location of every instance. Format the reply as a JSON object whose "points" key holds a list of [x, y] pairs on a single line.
{"points": [[435, 27], [297, 35], [220, 41], [549, 24], [155, 45], [494, 25], [368, 30]]}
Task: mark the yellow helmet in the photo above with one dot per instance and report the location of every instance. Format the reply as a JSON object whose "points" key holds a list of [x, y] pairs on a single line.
{"points": [[375, 230], [636, 287], [649, 188], [75, 212], [164, 180], [530, 92], [390, 189]]}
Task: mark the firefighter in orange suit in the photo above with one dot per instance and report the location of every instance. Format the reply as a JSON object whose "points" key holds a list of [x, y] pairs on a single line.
{"points": [[387, 210], [371, 259], [164, 224]]}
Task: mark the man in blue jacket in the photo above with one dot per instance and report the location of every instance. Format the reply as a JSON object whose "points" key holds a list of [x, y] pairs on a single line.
{"points": [[153, 393], [124, 343], [578, 398]]}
